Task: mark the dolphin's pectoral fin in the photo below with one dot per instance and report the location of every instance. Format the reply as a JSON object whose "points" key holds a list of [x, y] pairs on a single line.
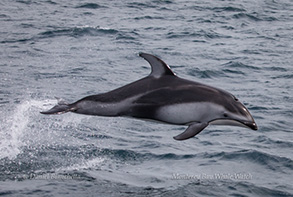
{"points": [[191, 131]]}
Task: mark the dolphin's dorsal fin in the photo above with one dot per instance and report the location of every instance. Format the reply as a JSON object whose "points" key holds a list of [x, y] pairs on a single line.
{"points": [[159, 68]]}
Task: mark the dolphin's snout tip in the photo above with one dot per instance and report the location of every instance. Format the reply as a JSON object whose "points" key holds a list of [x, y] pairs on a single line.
{"points": [[251, 125], [254, 126]]}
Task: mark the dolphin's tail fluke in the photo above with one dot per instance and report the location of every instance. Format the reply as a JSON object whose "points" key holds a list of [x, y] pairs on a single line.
{"points": [[61, 108]]}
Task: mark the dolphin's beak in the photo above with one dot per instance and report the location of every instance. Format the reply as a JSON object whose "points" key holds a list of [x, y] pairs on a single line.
{"points": [[251, 125], [246, 119]]}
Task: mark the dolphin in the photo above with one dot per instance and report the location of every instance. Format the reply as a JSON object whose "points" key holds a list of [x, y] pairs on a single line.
{"points": [[163, 96]]}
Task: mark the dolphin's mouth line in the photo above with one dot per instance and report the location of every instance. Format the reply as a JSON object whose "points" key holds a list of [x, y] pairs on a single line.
{"points": [[234, 122], [251, 125]]}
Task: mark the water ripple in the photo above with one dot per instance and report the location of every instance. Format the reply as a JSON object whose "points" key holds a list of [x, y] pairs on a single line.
{"points": [[272, 162], [90, 6], [78, 32], [228, 9]]}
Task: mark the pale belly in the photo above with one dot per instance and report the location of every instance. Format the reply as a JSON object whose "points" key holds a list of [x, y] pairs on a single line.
{"points": [[188, 112]]}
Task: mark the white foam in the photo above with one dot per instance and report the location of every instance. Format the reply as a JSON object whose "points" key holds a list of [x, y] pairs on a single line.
{"points": [[12, 130], [85, 164], [15, 126]]}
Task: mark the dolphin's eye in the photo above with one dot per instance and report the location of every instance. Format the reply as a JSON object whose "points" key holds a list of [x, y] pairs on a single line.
{"points": [[236, 99], [225, 115]]}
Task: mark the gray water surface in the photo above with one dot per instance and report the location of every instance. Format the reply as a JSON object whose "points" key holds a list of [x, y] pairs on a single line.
{"points": [[71, 49]]}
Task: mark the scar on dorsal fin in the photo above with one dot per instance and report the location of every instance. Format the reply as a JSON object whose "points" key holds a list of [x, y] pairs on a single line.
{"points": [[159, 67]]}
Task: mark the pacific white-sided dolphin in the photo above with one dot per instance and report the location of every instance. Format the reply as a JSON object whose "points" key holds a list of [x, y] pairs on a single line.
{"points": [[164, 97]]}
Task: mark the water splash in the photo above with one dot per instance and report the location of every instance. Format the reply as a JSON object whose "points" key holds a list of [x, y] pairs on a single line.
{"points": [[12, 130], [15, 126], [84, 164]]}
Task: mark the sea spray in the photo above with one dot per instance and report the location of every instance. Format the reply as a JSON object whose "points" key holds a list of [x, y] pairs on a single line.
{"points": [[15, 126]]}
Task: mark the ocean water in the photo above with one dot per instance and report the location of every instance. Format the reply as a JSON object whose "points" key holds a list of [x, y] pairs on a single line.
{"points": [[71, 49]]}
